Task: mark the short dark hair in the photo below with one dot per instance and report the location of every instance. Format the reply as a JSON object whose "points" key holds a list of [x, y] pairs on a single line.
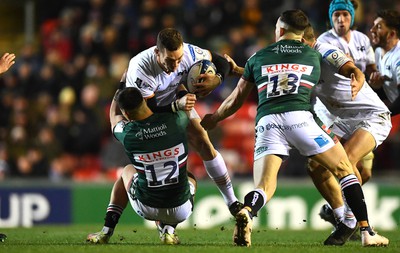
{"points": [[391, 18], [296, 19], [129, 98], [170, 39]]}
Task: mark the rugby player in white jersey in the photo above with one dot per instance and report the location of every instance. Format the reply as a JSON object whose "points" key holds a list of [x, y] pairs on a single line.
{"points": [[362, 122], [357, 46], [385, 35]]}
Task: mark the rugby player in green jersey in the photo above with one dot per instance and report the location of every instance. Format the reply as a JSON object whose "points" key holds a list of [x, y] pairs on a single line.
{"points": [[157, 184], [284, 74]]}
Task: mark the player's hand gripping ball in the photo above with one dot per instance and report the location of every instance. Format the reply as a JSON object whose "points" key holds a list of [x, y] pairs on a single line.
{"points": [[200, 67]]}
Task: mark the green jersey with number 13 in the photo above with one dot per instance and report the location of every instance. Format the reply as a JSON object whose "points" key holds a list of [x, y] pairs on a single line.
{"points": [[284, 73], [157, 147]]}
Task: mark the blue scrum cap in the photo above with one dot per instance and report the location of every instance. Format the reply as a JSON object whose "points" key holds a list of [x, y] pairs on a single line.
{"points": [[339, 5]]}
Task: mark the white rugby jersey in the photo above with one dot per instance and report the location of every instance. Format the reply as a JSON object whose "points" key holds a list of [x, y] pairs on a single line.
{"points": [[359, 47], [389, 65], [146, 74], [334, 90]]}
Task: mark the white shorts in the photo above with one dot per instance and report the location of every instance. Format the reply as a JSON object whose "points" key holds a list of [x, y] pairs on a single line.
{"points": [[323, 114], [278, 133], [169, 216], [378, 125]]}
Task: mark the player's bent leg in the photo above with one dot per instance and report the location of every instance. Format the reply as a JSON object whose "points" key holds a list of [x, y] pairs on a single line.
{"points": [[214, 164], [359, 145], [118, 202], [336, 161], [265, 175], [364, 166], [326, 184], [330, 190]]}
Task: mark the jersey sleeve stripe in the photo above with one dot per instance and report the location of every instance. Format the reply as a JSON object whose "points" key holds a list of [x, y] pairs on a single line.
{"points": [[262, 88], [182, 160], [306, 84]]}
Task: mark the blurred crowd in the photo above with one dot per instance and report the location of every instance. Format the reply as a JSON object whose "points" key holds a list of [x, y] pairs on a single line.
{"points": [[54, 101]]}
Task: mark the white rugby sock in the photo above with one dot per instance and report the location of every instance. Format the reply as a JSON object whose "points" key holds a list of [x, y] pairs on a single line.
{"points": [[218, 172], [349, 218], [338, 213]]}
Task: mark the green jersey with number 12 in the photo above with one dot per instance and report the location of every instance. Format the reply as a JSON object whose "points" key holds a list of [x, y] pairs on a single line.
{"points": [[284, 73], [157, 148]]}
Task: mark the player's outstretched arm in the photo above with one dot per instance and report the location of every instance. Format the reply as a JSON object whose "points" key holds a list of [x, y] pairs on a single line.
{"points": [[230, 105]]}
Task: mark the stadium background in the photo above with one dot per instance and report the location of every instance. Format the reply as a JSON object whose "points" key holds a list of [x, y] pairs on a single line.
{"points": [[57, 157]]}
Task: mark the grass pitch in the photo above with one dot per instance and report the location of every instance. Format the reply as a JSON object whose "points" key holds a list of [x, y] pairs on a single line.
{"points": [[71, 239]]}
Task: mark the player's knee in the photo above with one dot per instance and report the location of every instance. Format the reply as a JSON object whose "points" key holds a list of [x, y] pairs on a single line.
{"points": [[312, 166], [365, 167], [366, 175], [128, 172], [343, 168], [315, 170], [367, 161]]}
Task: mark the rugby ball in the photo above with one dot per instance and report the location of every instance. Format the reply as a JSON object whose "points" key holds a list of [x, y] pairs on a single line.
{"points": [[201, 67]]}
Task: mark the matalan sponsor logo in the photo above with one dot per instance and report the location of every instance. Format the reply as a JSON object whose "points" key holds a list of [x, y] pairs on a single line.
{"points": [[160, 154], [286, 67]]}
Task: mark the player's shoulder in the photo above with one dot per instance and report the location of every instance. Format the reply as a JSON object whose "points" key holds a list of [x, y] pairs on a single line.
{"points": [[144, 59], [359, 35], [121, 129], [144, 64], [193, 53], [396, 51], [145, 55], [327, 36], [324, 47]]}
